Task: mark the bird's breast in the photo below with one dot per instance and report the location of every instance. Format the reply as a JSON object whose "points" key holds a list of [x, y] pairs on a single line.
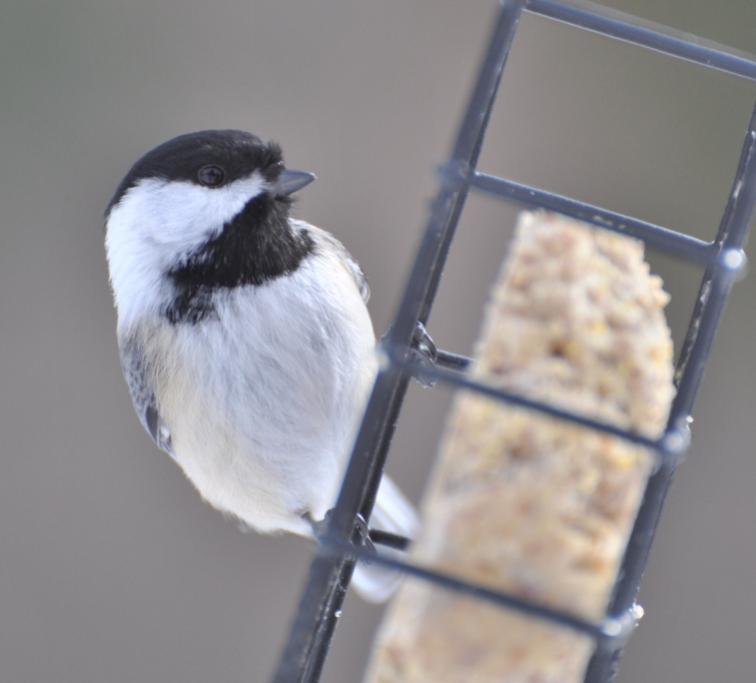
{"points": [[262, 401]]}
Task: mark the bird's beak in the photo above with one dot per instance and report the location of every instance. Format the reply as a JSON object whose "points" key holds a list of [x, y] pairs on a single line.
{"points": [[291, 181]]}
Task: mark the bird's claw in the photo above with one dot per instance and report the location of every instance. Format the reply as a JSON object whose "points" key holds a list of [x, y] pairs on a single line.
{"points": [[362, 533], [318, 528], [425, 351], [361, 530]]}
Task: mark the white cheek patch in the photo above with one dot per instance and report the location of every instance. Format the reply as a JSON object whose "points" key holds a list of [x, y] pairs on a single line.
{"points": [[183, 213], [155, 224]]}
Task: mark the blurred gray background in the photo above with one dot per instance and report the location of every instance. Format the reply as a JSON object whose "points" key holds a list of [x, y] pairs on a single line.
{"points": [[111, 569]]}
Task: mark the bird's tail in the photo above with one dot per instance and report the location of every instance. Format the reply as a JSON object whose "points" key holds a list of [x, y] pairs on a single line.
{"points": [[392, 513]]}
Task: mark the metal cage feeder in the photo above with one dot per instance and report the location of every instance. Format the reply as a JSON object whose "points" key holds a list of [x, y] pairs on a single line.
{"points": [[722, 260]]}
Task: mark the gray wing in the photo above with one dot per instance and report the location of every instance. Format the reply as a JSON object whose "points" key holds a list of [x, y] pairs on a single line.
{"points": [[136, 372], [346, 258]]}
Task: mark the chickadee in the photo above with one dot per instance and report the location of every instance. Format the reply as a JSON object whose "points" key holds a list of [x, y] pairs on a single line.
{"points": [[243, 333]]}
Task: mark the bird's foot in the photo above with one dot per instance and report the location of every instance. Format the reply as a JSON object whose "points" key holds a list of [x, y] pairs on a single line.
{"points": [[319, 528], [425, 351], [362, 534]]}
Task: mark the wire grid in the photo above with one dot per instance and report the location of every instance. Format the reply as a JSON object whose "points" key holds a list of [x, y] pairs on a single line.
{"points": [[722, 260]]}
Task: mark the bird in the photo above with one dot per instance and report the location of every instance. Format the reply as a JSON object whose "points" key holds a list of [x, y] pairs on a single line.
{"points": [[244, 335]]}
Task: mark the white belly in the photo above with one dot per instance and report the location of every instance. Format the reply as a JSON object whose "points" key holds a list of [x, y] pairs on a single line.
{"points": [[263, 402]]}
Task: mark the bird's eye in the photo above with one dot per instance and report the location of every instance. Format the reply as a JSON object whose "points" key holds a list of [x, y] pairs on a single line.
{"points": [[211, 175]]}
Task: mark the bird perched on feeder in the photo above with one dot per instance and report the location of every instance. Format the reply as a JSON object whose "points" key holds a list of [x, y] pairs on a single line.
{"points": [[244, 334]]}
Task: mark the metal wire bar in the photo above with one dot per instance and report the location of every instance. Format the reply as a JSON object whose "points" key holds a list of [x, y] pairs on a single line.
{"points": [[630, 29], [345, 532], [454, 361], [675, 243], [670, 445], [611, 633], [386, 538]]}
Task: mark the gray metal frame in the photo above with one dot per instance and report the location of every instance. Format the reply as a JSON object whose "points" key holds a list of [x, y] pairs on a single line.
{"points": [[723, 259]]}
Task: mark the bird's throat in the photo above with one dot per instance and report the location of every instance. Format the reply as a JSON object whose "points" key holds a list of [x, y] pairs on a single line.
{"points": [[257, 246]]}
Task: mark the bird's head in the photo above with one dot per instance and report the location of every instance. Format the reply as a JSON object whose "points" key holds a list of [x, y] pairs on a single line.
{"points": [[194, 207]]}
